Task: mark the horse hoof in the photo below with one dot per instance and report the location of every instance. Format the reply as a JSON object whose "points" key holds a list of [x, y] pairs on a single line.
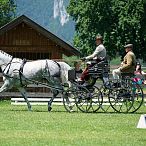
{"points": [[30, 110], [49, 109]]}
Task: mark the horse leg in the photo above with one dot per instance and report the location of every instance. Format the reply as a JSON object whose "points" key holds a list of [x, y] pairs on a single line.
{"points": [[5, 86], [23, 93], [55, 93]]}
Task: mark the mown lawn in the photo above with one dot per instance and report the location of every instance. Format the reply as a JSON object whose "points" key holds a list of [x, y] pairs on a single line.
{"points": [[18, 127]]}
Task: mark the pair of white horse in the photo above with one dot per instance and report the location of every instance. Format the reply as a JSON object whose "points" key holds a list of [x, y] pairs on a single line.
{"points": [[18, 74]]}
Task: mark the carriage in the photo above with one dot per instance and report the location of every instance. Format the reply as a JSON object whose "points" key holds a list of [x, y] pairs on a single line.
{"points": [[60, 77], [126, 97]]}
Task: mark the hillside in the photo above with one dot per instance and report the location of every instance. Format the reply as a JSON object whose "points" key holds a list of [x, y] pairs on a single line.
{"points": [[50, 14]]}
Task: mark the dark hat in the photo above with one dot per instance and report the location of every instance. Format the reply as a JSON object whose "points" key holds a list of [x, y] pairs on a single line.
{"points": [[128, 46], [99, 37]]}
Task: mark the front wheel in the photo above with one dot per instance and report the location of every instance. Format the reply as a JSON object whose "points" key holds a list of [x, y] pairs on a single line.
{"points": [[77, 98], [69, 100], [83, 99]]}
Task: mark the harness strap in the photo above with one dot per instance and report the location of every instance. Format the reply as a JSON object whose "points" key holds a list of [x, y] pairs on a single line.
{"points": [[59, 67], [5, 74], [21, 71]]}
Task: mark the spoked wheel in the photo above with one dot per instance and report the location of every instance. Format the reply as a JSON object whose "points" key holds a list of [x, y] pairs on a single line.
{"points": [[105, 107], [120, 97], [69, 101], [96, 99], [105, 88], [83, 99], [137, 93]]}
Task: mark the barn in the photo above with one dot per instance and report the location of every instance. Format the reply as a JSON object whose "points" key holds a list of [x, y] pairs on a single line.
{"points": [[24, 38]]}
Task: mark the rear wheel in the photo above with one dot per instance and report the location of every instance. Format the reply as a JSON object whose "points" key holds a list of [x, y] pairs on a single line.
{"points": [[120, 97], [137, 94]]}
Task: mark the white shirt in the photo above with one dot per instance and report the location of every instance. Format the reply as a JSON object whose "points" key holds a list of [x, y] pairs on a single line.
{"points": [[100, 52]]}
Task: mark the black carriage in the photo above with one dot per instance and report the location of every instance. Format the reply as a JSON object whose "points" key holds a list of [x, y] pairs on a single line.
{"points": [[98, 94]]}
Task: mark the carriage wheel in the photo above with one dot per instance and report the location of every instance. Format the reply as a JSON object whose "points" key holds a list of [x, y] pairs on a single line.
{"points": [[83, 99], [105, 106], [96, 99], [120, 97], [119, 102], [137, 93], [69, 101]]}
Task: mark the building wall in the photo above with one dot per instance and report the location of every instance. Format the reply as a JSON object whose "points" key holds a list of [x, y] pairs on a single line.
{"points": [[24, 42]]}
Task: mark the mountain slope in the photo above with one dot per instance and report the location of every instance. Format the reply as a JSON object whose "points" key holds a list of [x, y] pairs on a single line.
{"points": [[42, 12]]}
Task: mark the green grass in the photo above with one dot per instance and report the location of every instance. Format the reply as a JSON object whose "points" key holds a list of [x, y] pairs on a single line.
{"points": [[19, 127]]}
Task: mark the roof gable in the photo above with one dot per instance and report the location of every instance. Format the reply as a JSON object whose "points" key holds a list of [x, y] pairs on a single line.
{"points": [[41, 30]]}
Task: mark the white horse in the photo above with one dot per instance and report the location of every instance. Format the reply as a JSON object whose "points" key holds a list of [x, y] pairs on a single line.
{"points": [[19, 73]]}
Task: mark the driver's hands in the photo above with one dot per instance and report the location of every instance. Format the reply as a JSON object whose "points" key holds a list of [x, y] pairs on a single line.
{"points": [[83, 59]]}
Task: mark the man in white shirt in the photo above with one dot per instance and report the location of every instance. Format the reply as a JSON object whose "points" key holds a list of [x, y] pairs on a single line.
{"points": [[100, 51], [98, 55]]}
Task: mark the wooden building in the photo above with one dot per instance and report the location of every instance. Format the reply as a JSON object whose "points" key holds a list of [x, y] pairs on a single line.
{"points": [[23, 38]]}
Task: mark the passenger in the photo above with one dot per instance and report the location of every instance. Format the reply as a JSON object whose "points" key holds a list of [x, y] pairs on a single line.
{"points": [[139, 75], [78, 70], [128, 64]]}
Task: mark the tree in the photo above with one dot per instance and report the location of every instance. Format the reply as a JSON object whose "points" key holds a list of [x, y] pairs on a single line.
{"points": [[119, 21], [129, 27], [90, 22], [7, 11]]}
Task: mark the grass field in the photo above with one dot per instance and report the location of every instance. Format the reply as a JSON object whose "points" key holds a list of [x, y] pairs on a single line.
{"points": [[18, 127]]}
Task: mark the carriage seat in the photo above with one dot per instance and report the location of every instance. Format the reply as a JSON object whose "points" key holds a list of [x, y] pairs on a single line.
{"points": [[100, 68]]}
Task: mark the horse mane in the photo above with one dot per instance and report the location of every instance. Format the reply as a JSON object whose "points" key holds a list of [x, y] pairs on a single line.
{"points": [[5, 53]]}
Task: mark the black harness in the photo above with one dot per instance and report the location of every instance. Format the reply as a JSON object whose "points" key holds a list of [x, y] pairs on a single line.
{"points": [[58, 75], [6, 74], [21, 71]]}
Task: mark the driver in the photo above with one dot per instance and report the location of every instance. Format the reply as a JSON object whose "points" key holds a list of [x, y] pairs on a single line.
{"points": [[98, 55]]}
